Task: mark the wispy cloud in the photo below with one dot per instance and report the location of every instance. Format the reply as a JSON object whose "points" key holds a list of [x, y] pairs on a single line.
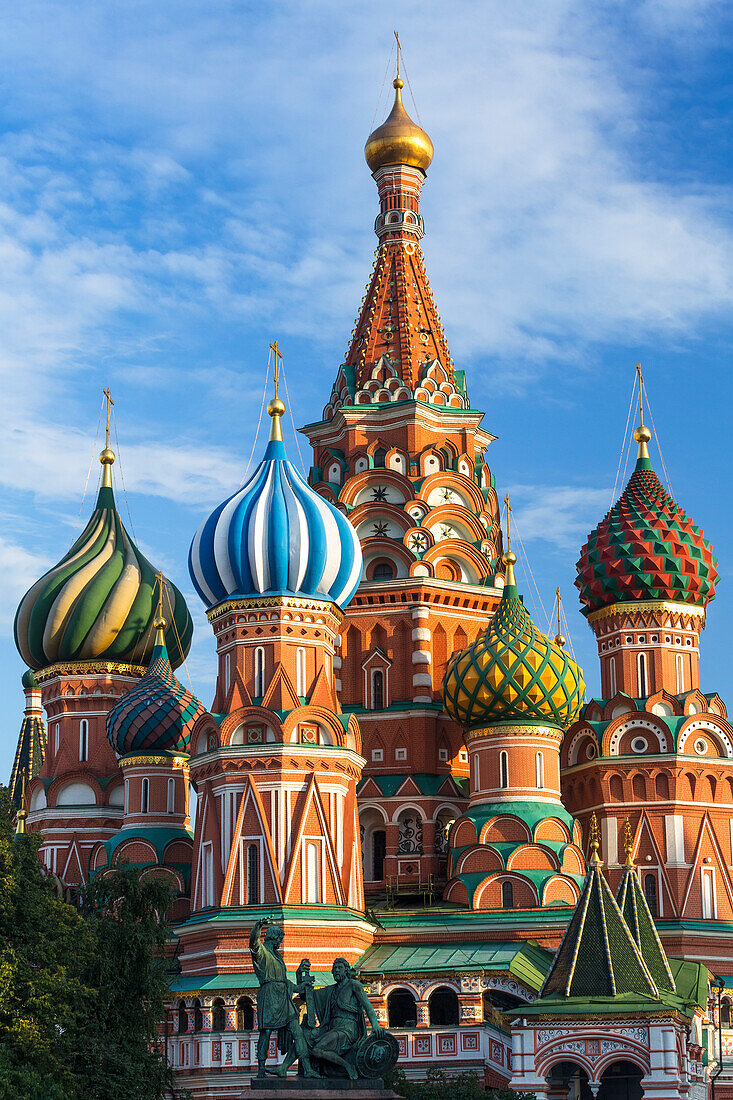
{"points": [[561, 515]]}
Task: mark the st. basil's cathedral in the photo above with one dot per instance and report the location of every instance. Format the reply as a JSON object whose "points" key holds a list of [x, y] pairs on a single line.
{"points": [[397, 764]]}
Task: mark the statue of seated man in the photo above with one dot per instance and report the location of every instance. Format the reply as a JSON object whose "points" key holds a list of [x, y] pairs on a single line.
{"points": [[341, 1008]]}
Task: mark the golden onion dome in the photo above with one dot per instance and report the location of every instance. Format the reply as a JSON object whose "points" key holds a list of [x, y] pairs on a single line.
{"points": [[512, 672], [398, 140]]}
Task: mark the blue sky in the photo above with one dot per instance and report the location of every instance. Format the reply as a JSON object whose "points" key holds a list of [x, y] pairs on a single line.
{"points": [[181, 182]]}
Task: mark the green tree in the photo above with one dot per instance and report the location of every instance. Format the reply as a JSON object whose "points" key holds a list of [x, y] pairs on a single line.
{"points": [[43, 1000], [123, 1054], [439, 1085], [81, 991]]}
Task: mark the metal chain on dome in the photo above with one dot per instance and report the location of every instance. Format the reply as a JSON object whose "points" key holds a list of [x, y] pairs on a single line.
{"points": [[400, 54], [623, 446], [290, 410], [525, 561], [384, 81], [656, 439], [89, 471], [259, 421], [164, 589], [122, 475]]}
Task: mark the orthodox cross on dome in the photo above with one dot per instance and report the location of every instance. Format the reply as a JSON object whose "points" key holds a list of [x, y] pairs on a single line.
{"points": [[559, 637], [276, 408], [510, 558], [108, 398], [642, 435], [277, 355]]}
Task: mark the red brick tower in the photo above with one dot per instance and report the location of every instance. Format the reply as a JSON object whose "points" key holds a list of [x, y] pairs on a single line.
{"points": [[276, 826], [86, 629], [401, 451], [654, 748]]}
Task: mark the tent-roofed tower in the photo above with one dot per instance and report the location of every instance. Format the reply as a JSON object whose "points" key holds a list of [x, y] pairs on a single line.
{"points": [[401, 451], [31, 748], [654, 747]]}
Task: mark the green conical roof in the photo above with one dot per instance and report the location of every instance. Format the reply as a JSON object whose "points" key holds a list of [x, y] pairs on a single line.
{"points": [[632, 903], [598, 956]]}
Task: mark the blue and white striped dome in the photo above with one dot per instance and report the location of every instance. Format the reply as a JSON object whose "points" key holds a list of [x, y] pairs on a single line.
{"points": [[275, 535]]}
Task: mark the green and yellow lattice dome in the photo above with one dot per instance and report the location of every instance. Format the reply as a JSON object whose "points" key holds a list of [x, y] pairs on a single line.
{"points": [[512, 673]]}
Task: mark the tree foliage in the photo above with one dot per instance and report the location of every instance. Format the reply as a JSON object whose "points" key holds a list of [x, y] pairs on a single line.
{"points": [[81, 990]]}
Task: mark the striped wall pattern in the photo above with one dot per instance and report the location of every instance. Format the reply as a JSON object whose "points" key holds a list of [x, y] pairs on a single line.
{"points": [[275, 534]]}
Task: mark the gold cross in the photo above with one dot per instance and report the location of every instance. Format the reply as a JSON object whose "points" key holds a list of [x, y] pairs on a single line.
{"points": [[399, 50], [641, 390], [557, 593], [159, 579], [278, 356], [108, 397]]}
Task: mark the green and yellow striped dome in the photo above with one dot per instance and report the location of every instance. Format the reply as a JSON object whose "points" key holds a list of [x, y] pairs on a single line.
{"points": [[99, 603], [512, 673]]}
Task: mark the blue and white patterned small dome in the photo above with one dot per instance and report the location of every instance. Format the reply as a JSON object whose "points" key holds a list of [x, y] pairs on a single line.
{"points": [[275, 535]]}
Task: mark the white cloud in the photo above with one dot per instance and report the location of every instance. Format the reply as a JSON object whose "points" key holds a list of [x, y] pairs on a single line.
{"points": [[561, 515], [19, 569]]}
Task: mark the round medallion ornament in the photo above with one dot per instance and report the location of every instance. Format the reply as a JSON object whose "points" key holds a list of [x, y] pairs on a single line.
{"points": [[376, 1055]]}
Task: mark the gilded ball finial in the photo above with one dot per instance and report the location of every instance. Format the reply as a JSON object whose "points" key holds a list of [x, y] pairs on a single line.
{"points": [[276, 407], [160, 623], [642, 434], [560, 640], [398, 82], [107, 456], [510, 558]]}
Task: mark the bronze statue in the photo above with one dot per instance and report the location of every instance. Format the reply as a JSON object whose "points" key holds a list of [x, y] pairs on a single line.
{"points": [[275, 1008], [331, 1030], [340, 1037]]}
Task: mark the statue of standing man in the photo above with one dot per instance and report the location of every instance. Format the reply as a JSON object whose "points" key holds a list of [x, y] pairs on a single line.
{"points": [[275, 1008]]}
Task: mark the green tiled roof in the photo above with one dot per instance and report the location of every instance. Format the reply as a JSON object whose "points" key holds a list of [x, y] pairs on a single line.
{"points": [[531, 813], [632, 904], [426, 784], [598, 956], [526, 961]]}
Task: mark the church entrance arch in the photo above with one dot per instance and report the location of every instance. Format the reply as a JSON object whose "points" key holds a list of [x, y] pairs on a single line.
{"points": [[568, 1081], [621, 1081]]}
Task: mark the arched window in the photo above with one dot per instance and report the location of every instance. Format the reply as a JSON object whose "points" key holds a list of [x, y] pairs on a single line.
{"points": [[259, 672], [650, 893], [313, 871], [612, 687], [245, 1015], [641, 676], [379, 851], [725, 1012], [383, 571], [638, 786], [401, 1009], [182, 1018], [144, 796], [708, 895], [83, 739], [56, 738], [300, 672], [253, 874], [171, 804], [227, 672], [617, 788], [377, 689], [476, 768], [218, 1015], [539, 762], [503, 769], [507, 895], [443, 1007], [198, 1016], [661, 786], [679, 666], [380, 456]]}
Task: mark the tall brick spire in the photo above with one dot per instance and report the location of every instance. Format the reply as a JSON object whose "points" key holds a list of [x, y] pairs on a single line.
{"points": [[398, 350]]}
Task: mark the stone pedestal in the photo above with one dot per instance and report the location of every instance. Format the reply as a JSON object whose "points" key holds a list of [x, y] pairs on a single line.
{"points": [[319, 1088]]}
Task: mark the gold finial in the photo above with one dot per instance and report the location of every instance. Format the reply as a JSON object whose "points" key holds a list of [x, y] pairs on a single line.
{"points": [[21, 814], [398, 140], [642, 435], [559, 637], [107, 456], [628, 846], [160, 623], [510, 558], [595, 859], [276, 409]]}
